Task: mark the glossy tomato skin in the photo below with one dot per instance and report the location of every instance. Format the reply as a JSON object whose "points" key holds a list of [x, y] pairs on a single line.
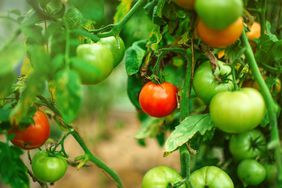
{"points": [[186, 4], [219, 14], [212, 177], [34, 135], [251, 172], [158, 100], [116, 46], [206, 85], [48, 168], [94, 63], [247, 145], [161, 177], [237, 111], [220, 38]]}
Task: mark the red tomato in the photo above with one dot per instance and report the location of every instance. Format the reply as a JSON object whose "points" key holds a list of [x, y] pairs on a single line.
{"points": [[158, 100], [34, 135]]}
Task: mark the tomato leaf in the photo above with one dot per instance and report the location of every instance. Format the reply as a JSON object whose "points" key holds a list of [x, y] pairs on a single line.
{"points": [[122, 10], [12, 171], [68, 93], [187, 129], [134, 85], [6, 82], [134, 57], [149, 128]]}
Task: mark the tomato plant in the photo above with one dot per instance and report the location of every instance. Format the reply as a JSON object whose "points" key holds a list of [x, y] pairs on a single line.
{"points": [[188, 63], [211, 176], [161, 177], [250, 144], [208, 82], [237, 111], [251, 172], [48, 168], [158, 100], [34, 135]]}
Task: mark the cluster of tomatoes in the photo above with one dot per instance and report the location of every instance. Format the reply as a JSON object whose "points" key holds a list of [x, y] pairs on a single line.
{"points": [[46, 166], [233, 111]]}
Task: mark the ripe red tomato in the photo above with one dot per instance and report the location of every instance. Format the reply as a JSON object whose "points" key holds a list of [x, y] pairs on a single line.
{"points": [[34, 135], [158, 100]]}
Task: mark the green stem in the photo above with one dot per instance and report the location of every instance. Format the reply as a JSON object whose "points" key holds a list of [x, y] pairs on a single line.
{"points": [[270, 104], [185, 162], [95, 160], [116, 28]]}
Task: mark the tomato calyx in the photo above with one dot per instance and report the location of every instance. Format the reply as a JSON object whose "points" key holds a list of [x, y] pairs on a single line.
{"points": [[222, 72]]}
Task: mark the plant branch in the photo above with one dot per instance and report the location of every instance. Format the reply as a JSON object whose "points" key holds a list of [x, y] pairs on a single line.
{"points": [[270, 104]]}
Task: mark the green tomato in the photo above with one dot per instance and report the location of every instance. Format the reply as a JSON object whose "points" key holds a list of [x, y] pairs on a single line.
{"points": [[207, 82], [271, 172], [212, 177], [94, 63], [116, 46], [247, 145], [48, 168], [219, 14], [237, 111], [161, 177], [251, 172]]}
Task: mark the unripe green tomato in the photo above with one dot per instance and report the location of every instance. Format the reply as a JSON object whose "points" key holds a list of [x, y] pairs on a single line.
{"points": [[271, 172], [211, 177], [206, 84], [161, 177], [219, 14], [48, 168], [247, 145], [251, 172], [237, 111], [116, 46], [94, 63]]}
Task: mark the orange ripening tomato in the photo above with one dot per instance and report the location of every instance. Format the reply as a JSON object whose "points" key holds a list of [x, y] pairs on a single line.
{"points": [[220, 38], [254, 32], [186, 4], [158, 100], [34, 135]]}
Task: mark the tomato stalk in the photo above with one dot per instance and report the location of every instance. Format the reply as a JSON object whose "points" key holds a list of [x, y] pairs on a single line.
{"points": [[270, 104], [95, 160], [262, 16], [115, 29]]}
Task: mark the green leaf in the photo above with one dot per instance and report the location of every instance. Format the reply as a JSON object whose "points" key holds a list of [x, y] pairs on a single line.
{"points": [[12, 171], [158, 13], [10, 57], [68, 94], [149, 128], [134, 85], [122, 10], [6, 82], [35, 85], [187, 129], [90, 9], [134, 57]]}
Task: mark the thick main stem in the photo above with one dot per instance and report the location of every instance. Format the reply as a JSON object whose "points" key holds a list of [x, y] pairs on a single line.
{"points": [[95, 160], [270, 104]]}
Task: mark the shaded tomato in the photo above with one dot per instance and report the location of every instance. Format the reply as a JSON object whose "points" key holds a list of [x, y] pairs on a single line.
{"points": [[247, 145], [220, 38], [158, 100], [237, 111], [34, 135], [251, 172]]}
